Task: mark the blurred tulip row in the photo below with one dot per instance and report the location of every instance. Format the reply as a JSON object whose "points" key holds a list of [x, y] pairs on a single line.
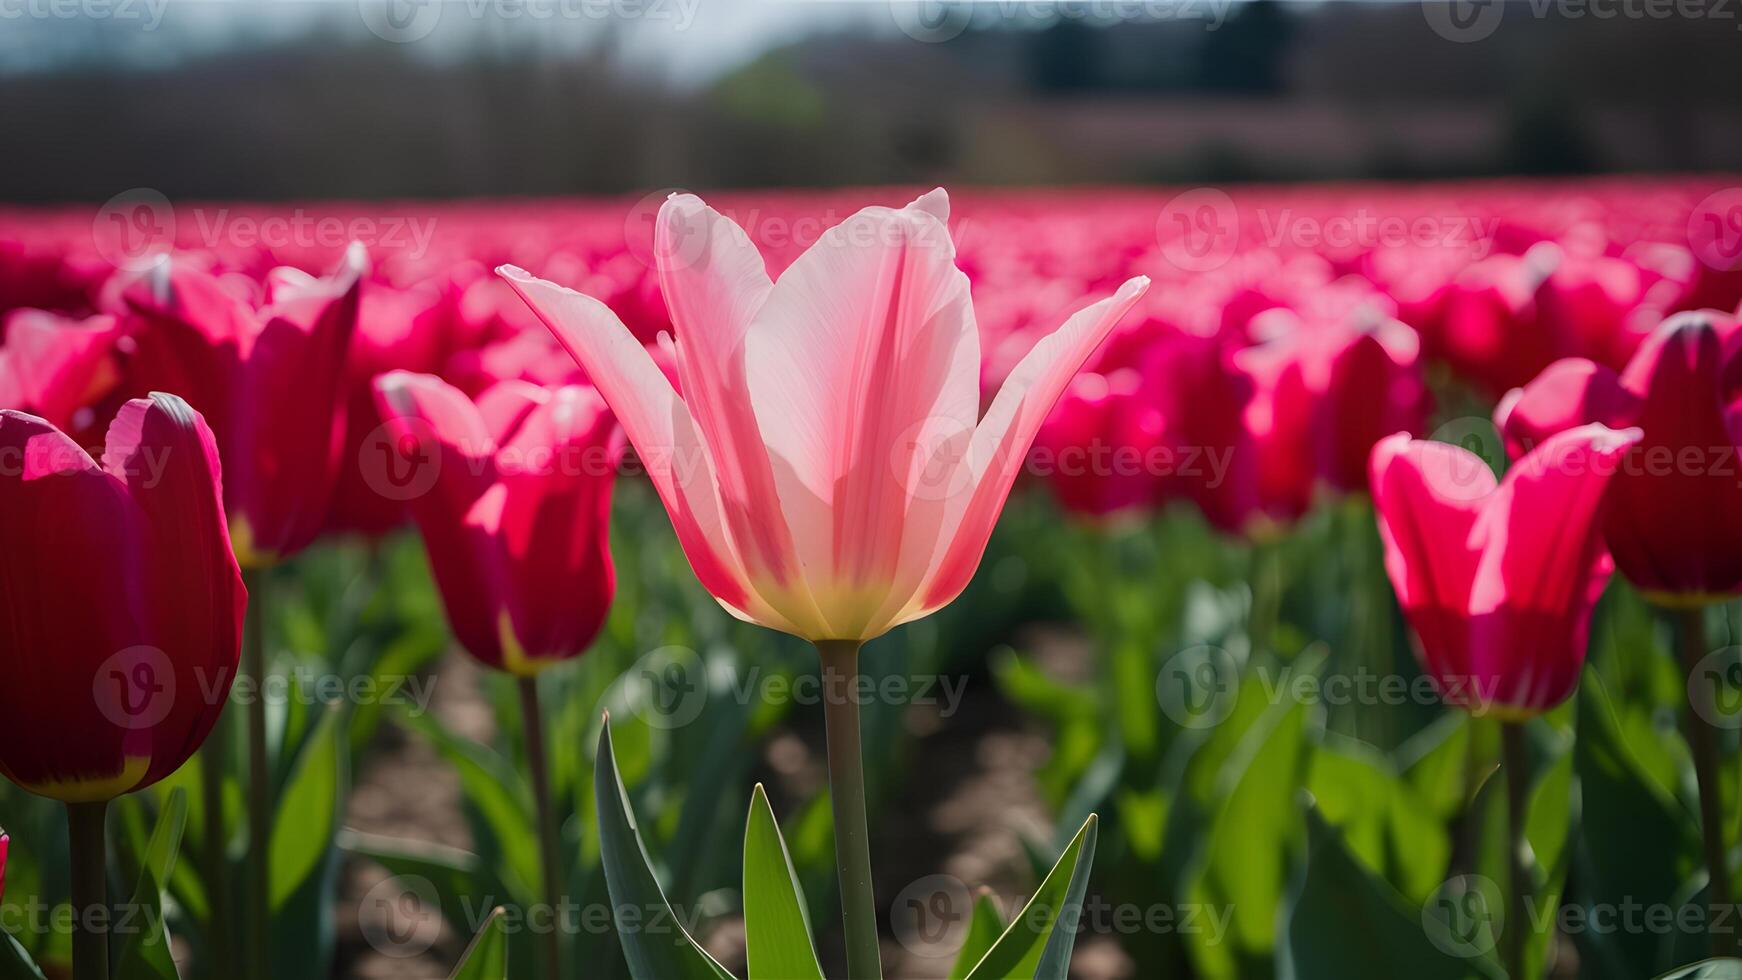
{"points": [[1396, 530]]}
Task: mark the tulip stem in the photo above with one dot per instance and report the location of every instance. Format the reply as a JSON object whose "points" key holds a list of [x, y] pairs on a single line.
{"points": [[213, 758], [90, 888], [259, 778], [847, 800], [533, 723], [1704, 748], [1515, 761]]}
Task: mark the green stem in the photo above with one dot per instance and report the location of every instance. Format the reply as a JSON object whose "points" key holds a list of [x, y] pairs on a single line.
{"points": [[90, 868], [259, 780], [1515, 761], [213, 763], [1704, 746], [533, 723], [847, 796]]}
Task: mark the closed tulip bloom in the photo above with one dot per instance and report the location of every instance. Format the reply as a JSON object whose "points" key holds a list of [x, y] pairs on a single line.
{"points": [[517, 512], [1497, 579], [826, 467], [271, 380], [1674, 522], [120, 601]]}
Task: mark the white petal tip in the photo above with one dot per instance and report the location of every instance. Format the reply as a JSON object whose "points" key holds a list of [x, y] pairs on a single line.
{"points": [[935, 202], [513, 272]]}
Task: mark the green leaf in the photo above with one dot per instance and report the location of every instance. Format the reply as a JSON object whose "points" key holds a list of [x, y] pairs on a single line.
{"points": [[15, 963], [146, 953], [984, 926], [1636, 843], [1344, 922], [308, 809], [487, 957], [777, 934], [654, 941], [503, 824], [1383, 821], [1720, 969], [1032, 946]]}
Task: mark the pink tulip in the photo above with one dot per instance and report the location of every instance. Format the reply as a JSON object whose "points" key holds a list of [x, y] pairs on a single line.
{"points": [[1498, 579], [516, 514], [272, 381], [826, 468], [1102, 449], [120, 601]]}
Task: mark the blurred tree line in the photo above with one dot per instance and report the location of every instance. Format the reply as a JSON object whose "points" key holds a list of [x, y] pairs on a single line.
{"points": [[1263, 91]]}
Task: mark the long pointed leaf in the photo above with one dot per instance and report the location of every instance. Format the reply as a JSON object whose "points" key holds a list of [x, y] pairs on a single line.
{"points": [[984, 927], [146, 953], [1033, 946], [654, 940], [777, 938], [487, 957]]}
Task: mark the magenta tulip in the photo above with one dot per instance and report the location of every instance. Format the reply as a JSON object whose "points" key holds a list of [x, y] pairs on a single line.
{"points": [[272, 380], [516, 516], [1497, 580], [120, 601], [58, 368], [1675, 523]]}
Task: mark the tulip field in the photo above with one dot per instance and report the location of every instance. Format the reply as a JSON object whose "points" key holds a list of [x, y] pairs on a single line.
{"points": [[1303, 581]]}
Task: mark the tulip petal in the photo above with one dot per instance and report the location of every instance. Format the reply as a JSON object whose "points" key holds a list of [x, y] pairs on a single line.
{"points": [[714, 283], [659, 426], [1568, 393], [553, 531], [1001, 441], [59, 365], [865, 357], [1543, 565], [163, 452], [72, 533]]}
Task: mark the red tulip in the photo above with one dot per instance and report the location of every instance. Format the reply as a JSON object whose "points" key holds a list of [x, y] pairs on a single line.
{"points": [[56, 367], [516, 512], [272, 381], [120, 601], [1498, 580], [1674, 522]]}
